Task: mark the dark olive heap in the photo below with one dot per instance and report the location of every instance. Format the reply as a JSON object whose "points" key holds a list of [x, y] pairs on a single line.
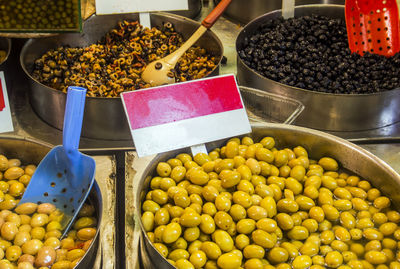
{"points": [[312, 52], [39, 15], [115, 63]]}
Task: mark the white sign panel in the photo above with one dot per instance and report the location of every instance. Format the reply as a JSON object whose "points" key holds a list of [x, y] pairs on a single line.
{"points": [[5, 112], [131, 6], [185, 114]]}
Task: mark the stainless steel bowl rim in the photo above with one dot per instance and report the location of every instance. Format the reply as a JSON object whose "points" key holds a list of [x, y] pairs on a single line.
{"points": [[26, 45], [293, 87], [326, 136]]}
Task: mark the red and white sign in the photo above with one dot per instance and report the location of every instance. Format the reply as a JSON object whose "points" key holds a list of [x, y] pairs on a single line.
{"points": [[5, 112], [185, 114]]}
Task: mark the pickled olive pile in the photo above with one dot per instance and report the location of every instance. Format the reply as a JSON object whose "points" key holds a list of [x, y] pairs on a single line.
{"points": [[39, 14], [30, 234], [115, 64], [250, 205], [312, 52]]}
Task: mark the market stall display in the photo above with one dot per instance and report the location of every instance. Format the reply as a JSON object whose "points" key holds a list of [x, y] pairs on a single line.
{"points": [[31, 233], [129, 196], [105, 115], [319, 70], [261, 196]]}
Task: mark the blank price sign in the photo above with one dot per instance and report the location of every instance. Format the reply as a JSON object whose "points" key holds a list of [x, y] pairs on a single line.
{"points": [[181, 115], [130, 6], [5, 112]]}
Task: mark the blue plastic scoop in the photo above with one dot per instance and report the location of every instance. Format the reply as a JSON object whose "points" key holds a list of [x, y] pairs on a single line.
{"points": [[65, 176]]}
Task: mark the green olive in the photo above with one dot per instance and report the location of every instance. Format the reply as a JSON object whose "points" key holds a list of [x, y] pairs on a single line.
{"points": [[246, 226], [190, 219], [223, 220], [32, 247], [263, 238], [285, 221], [301, 262], [277, 255], [237, 212], [298, 233], [211, 249], [229, 261], [223, 240], [178, 254], [334, 259], [375, 257], [163, 169], [232, 149], [245, 186], [222, 203], [198, 259], [171, 233], [257, 212], [328, 164], [253, 251], [268, 203], [161, 217]]}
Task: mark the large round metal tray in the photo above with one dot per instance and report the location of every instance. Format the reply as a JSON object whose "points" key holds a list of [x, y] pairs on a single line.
{"points": [[245, 11], [32, 152], [318, 144], [330, 112], [104, 118]]}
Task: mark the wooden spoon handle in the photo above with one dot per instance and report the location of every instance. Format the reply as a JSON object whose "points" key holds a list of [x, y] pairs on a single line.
{"points": [[215, 14]]}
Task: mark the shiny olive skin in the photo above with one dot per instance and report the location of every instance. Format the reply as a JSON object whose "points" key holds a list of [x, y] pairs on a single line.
{"points": [[31, 232], [265, 207]]}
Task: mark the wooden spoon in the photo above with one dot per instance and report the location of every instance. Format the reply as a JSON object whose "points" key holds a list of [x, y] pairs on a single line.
{"points": [[160, 72]]}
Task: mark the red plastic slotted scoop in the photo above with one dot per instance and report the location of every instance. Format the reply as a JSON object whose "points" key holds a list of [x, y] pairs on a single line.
{"points": [[373, 26]]}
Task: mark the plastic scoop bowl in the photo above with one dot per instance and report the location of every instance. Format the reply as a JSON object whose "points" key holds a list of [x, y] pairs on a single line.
{"points": [[65, 176]]}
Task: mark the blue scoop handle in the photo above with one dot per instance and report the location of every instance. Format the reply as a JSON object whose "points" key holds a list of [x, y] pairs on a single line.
{"points": [[73, 120]]}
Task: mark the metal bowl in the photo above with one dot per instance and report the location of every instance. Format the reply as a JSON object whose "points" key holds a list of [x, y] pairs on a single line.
{"points": [[29, 151], [104, 118], [318, 144], [323, 111], [194, 9], [245, 11]]}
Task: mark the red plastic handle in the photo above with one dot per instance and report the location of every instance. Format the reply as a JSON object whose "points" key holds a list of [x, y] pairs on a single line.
{"points": [[209, 21]]}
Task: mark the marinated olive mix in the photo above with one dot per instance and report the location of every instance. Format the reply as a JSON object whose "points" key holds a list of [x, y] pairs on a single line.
{"points": [[115, 64], [39, 14], [312, 53], [30, 234], [251, 205]]}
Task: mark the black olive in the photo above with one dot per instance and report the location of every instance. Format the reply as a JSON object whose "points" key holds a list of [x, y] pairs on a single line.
{"points": [[313, 51]]}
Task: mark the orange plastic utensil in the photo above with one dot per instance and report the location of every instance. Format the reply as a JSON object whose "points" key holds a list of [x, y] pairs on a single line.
{"points": [[373, 26]]}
